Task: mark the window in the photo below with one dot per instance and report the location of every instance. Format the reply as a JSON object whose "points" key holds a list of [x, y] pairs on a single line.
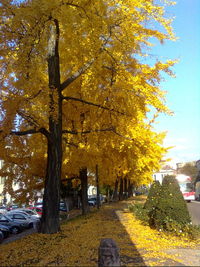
{"points": [[2, 220], [19, 217], [29, 212]]}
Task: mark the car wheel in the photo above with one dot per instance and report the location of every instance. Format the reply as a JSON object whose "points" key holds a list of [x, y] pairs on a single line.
{"points": [[15, 230]]}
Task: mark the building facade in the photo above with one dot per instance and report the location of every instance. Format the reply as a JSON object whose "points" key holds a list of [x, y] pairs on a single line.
{"points": [[159, 176]]}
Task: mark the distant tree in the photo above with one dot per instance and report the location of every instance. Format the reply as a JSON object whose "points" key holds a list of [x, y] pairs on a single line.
{"points": [[190, 170]]}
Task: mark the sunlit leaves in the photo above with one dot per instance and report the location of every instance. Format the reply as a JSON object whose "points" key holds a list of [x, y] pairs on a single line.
{"points": [[114, 36], [77, 244]]}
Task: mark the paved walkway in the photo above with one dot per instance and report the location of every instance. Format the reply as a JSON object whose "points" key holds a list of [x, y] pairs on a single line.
{"points": [[188, 256]]}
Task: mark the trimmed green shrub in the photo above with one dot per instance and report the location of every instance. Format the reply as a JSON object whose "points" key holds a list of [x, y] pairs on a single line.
{"points": [[170, 213], [139, 212], [153, 196]]}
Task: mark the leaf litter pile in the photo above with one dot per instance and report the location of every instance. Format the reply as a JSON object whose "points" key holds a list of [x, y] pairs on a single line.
{"points": [[77, 244]]}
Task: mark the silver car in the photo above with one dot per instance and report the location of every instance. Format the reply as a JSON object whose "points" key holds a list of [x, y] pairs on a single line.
{"points": [[14, 226], [31, 213], [21, 217]]}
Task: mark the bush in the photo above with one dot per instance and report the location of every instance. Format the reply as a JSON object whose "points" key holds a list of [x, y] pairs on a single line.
{"points": [[153, 196], [139, 212], [170, 212], [192, 231]]}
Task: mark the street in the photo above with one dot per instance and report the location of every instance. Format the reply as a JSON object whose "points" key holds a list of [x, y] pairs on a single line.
{"points": [[194, 210]]}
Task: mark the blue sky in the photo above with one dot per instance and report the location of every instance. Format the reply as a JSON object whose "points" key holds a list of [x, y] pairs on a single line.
{"points": [[183, 91]]}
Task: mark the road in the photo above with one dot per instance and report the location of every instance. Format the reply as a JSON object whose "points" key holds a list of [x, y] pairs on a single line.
{"points": [[194, 210]]}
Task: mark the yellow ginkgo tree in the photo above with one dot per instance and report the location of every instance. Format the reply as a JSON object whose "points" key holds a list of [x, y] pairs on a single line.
{"points": [[59, 57]]}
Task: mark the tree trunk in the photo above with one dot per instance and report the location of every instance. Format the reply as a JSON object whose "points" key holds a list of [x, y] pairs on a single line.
{"points": [[84, 189], [115, 193], [108, 194], [125, 188], [51, 199], [130, 189], [97, 184], [121, 188], [50, 216]]}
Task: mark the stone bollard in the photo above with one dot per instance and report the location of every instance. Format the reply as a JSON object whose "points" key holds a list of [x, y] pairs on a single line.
{"points": [[108, 253]]}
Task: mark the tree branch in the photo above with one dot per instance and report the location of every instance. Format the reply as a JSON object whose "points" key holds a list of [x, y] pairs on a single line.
{"points": [[28, 118], [125, 137], [30, 131], [76, 74], [70, 143], [70, 178], [92, 104], [83, 69], [111, 129]]}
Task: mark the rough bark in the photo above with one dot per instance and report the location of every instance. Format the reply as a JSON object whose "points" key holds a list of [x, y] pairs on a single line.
{"points": [[51, 198], [125, 188], [108, 194], [50, 217], [97, 185], [84, 189], [115, 193], [121, 189], [130, 189]]}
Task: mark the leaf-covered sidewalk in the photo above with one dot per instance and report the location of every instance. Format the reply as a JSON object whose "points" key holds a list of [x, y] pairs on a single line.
{"points": [[77, 244]]}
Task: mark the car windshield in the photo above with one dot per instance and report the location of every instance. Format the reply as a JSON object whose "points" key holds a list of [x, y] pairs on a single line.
{"points": [[3, 217], [18, 213], [29, 212]]}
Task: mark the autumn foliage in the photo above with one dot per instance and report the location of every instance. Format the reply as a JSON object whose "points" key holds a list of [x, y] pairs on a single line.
{"points": [[77, 244], [76, 91]]}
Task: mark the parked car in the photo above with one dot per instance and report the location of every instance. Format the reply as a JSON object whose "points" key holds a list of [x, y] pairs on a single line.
{"points": [[31, 213], [12, 207], [22, 217], [14, 226], [3, 210], [63, 207], [92, 201], [39, 204], [5, 230], [38, 210]]}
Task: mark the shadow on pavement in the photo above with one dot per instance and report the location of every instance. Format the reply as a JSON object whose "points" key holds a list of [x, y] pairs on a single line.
{"points": [[129, 255]]}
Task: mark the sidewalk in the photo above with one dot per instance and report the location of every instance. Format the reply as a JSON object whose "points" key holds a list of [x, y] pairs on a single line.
{"points": [[185, 256], [188, 257], [77, 244]]}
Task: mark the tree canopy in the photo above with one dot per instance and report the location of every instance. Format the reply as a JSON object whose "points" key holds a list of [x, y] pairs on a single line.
{"points": [[73, 81]]}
